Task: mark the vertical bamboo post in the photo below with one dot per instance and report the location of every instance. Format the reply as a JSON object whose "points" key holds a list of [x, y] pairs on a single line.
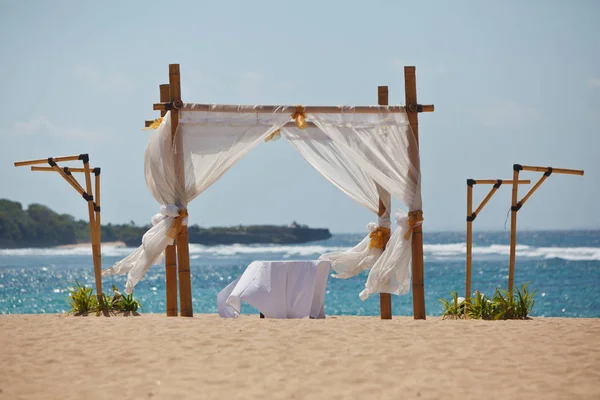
{"points": [[183, 251], [410, 88], [513, 227], [469, 237], [93, 230], [170, 252], [385, 299], [98, 253]]}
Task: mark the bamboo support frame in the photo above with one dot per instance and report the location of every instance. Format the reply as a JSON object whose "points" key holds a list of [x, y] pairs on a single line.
{"points": [[471, 217], [87, 194], [412, 110], [170, 251], [516, 206], [385, 299]]}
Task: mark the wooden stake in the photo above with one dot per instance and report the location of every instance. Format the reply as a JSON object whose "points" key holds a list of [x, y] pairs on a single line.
{"points": [[418, 287], [183, 251], [385, 299], [170, 251]]}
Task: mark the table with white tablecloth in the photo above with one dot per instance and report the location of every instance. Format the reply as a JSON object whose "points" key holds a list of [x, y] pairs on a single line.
{"points": [[278, 289]]}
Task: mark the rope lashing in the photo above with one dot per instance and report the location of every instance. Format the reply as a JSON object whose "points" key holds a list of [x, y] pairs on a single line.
{"points": [[415, 218], [379, 237], [155, 124], [300, 117], [178, 223]]}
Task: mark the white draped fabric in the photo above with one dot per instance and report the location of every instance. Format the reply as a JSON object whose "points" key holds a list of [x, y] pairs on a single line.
{"points": [[210, 143], [337, 166], [360, 153], [384, 147]]}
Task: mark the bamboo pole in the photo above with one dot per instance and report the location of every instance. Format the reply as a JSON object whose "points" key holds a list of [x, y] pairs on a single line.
{"points": [[47, 160], [170, 251], [418, 286], [66, 169], [253, 109], [554, 170], [93, 232], [97, 246], [469, 238], [183, 251], [385, 299], [513, 228]]}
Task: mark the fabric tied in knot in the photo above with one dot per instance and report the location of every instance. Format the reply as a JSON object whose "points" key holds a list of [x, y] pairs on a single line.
{"points": [[181, 219], [415, 218], [379, 238], [155, 124], [300, 117]]}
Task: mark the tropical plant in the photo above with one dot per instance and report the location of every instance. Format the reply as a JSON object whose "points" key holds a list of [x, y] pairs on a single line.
{"points": [[503, 305], [454, 308], [82, 300]]}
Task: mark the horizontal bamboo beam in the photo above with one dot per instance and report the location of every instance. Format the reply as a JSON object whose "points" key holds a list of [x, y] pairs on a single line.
{"points": [[494, 181], [554, 170], [45, 160], [50, 169], [273, 108]]}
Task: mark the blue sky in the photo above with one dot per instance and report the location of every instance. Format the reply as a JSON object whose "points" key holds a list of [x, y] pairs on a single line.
{"points": [[512, 82]]}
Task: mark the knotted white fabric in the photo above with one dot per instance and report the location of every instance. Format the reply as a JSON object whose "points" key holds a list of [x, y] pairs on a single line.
{"points": [[338, 166], [206, 145], [383, 145]]}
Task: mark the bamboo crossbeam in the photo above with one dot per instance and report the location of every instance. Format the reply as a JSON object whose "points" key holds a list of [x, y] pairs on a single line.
{"points": [[50, 169], [45, 160], [554, 170], [494, 181], [533, 189], [252, 109], [491, 193]]}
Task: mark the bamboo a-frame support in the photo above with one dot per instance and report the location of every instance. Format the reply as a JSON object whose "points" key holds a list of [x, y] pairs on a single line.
{"points": [[517, 204], [471, 215], [177, 256], [87, 194]]}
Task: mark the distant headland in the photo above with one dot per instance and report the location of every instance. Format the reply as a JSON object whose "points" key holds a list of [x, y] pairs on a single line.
{"points": [[39, 226]]}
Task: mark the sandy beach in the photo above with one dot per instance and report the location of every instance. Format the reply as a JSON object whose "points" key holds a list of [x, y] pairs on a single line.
{"points": [[152, 356]]}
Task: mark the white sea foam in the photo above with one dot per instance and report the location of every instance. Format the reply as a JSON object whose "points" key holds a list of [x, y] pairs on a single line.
{"points": [[451, 251]]}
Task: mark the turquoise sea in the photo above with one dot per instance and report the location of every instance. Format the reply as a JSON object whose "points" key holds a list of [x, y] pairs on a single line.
{"points": [[564, 267]]}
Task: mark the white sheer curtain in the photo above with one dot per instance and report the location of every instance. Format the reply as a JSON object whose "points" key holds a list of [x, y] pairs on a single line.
{"points": [[208, 143], [382, 144], [339, 168]]}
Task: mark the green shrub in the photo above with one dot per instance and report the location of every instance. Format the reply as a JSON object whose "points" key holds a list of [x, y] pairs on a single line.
{"points": [[82, 300], [502, 306]]}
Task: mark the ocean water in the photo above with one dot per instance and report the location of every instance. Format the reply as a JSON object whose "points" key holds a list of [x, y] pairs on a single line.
{"points": [[564, 267]]}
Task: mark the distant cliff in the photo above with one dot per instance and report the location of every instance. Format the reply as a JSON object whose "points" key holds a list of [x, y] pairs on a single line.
{"points": [[39, 226]]}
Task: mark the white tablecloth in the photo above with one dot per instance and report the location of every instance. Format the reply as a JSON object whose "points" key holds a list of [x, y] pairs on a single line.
{"points": [[278, 289]]}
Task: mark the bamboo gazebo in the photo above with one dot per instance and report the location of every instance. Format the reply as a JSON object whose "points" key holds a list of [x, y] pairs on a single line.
{"points": [[192, 145]]}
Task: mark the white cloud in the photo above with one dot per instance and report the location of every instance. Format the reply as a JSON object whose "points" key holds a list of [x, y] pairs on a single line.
{"points": [[594, 83], [104, 82], [507, 113], [43, 126]]}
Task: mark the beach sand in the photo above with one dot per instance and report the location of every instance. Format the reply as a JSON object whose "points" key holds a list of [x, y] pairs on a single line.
{"points": [[205, 357]]}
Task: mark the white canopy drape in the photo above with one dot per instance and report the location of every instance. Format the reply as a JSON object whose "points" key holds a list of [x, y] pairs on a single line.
{"points": [[359, 153]]}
